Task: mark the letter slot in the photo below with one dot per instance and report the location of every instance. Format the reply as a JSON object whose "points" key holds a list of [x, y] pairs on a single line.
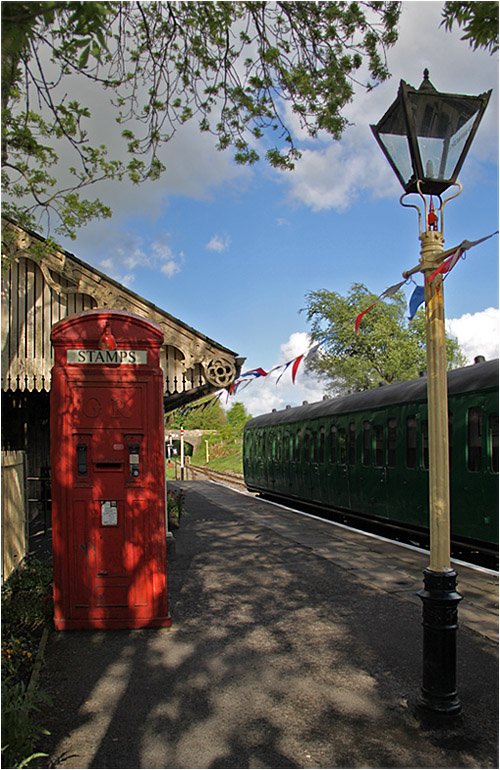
{"points": [[81, 457], [134, 459]]}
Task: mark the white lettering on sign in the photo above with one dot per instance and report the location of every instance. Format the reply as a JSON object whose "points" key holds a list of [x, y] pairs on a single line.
{"points": [[107, 356]]}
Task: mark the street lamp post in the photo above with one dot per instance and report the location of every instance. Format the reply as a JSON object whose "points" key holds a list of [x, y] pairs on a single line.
{"points": [[426, 135]]}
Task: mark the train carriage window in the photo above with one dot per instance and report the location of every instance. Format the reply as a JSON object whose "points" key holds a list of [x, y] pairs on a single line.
{"points": [[298, 445], [314, 446], [493, 441], [278, 446], [424, 434], [352, 444], [378, 445], [263, 453], [307, 445], [342, 446], [391, 442], [322, 444], [333, 444], [474, 439], [411, 442], [367, 442], [286, 446]]}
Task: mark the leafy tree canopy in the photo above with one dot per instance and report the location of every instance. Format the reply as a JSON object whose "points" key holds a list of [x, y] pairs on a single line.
{"points": [[479, 20], [231, 66], [237, 417], [229, 425], [212, 417], [387, 347]]}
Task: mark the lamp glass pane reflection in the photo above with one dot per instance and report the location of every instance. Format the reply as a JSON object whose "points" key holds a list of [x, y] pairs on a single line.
{"points": [[442, 128], [425, 135]]}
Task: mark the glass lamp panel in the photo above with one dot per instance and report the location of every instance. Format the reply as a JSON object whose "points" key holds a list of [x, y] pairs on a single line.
{"points": [[397, 149], [443, 126], [457, 144]]}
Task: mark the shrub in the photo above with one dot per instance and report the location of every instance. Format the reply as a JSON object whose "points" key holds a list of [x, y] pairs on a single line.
{"points": [[23, 616]]}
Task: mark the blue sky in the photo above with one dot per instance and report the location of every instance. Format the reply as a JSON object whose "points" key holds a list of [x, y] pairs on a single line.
{"points": [[233, 251]]}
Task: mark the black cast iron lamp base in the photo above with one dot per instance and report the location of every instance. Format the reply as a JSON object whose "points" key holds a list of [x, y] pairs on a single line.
{"points": [[440, 622]]}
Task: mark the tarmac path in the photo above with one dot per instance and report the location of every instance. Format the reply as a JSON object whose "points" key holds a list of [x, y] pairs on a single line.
{"points": [[276, 658]]}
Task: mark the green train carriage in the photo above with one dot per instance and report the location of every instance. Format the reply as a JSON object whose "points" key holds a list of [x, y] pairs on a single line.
{"points": [[368, 453]]}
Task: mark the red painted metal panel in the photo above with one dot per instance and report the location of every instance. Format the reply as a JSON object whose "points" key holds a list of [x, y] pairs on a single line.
{"points": [[108, 473]]}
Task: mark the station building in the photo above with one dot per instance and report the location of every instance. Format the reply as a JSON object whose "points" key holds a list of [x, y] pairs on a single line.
{"points": [[42, 285]]}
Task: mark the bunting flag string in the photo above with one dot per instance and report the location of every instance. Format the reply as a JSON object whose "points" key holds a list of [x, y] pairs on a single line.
{"points": [[416, 299], [451, 261]]}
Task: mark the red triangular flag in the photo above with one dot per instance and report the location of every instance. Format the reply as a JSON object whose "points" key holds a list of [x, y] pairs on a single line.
{"points": [[296, 366], [447, 265], [360, 316]]}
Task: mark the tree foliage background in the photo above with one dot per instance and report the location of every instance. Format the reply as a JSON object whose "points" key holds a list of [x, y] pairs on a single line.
{"points": [[387, 348], [231, 66], [229, 424], [234, 67]]}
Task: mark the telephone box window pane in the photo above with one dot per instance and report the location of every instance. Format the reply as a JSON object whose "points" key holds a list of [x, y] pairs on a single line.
{"points": [[378, 445], [474, 439], [493, 430], [333, 444], [424, 430], [352, 443], [342, 446], [411, 442], [367, 441], [391, 442], [322, 445]]}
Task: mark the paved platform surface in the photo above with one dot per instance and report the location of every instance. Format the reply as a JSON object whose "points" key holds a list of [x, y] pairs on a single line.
{"points": [[283, 653]]}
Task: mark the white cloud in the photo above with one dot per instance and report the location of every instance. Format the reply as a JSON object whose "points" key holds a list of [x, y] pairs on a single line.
{"points": [[125, 252], [219, 243], [331, 175], [477, 333], [263, 394]]}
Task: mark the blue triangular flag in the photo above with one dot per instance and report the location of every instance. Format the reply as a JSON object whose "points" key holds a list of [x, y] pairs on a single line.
{"points": [[416, 300]]}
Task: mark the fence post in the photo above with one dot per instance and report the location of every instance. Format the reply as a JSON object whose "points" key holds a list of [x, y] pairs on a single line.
{"points": [[14, 513]]}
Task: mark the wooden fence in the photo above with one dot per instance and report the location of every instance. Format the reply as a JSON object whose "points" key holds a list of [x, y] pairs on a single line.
{"points": [[14, 511]]}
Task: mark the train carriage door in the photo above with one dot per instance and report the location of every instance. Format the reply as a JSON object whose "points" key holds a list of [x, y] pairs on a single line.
{"points": [[479, 481], [314, 465], [393, 462], [306, 465], [372, 492], [342, 492]]}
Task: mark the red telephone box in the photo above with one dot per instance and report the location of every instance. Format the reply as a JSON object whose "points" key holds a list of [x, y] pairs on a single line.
{"points": [[108, 472]]}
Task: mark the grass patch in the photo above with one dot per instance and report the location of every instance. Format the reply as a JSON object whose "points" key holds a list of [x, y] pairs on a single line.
{"points": [[223, 456]]}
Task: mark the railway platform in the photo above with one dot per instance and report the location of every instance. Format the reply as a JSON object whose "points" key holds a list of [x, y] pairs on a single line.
{"points": [[294, 643]]}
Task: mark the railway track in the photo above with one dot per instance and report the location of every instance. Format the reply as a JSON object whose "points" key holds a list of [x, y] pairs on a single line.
{"points": [[228, 478]]}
